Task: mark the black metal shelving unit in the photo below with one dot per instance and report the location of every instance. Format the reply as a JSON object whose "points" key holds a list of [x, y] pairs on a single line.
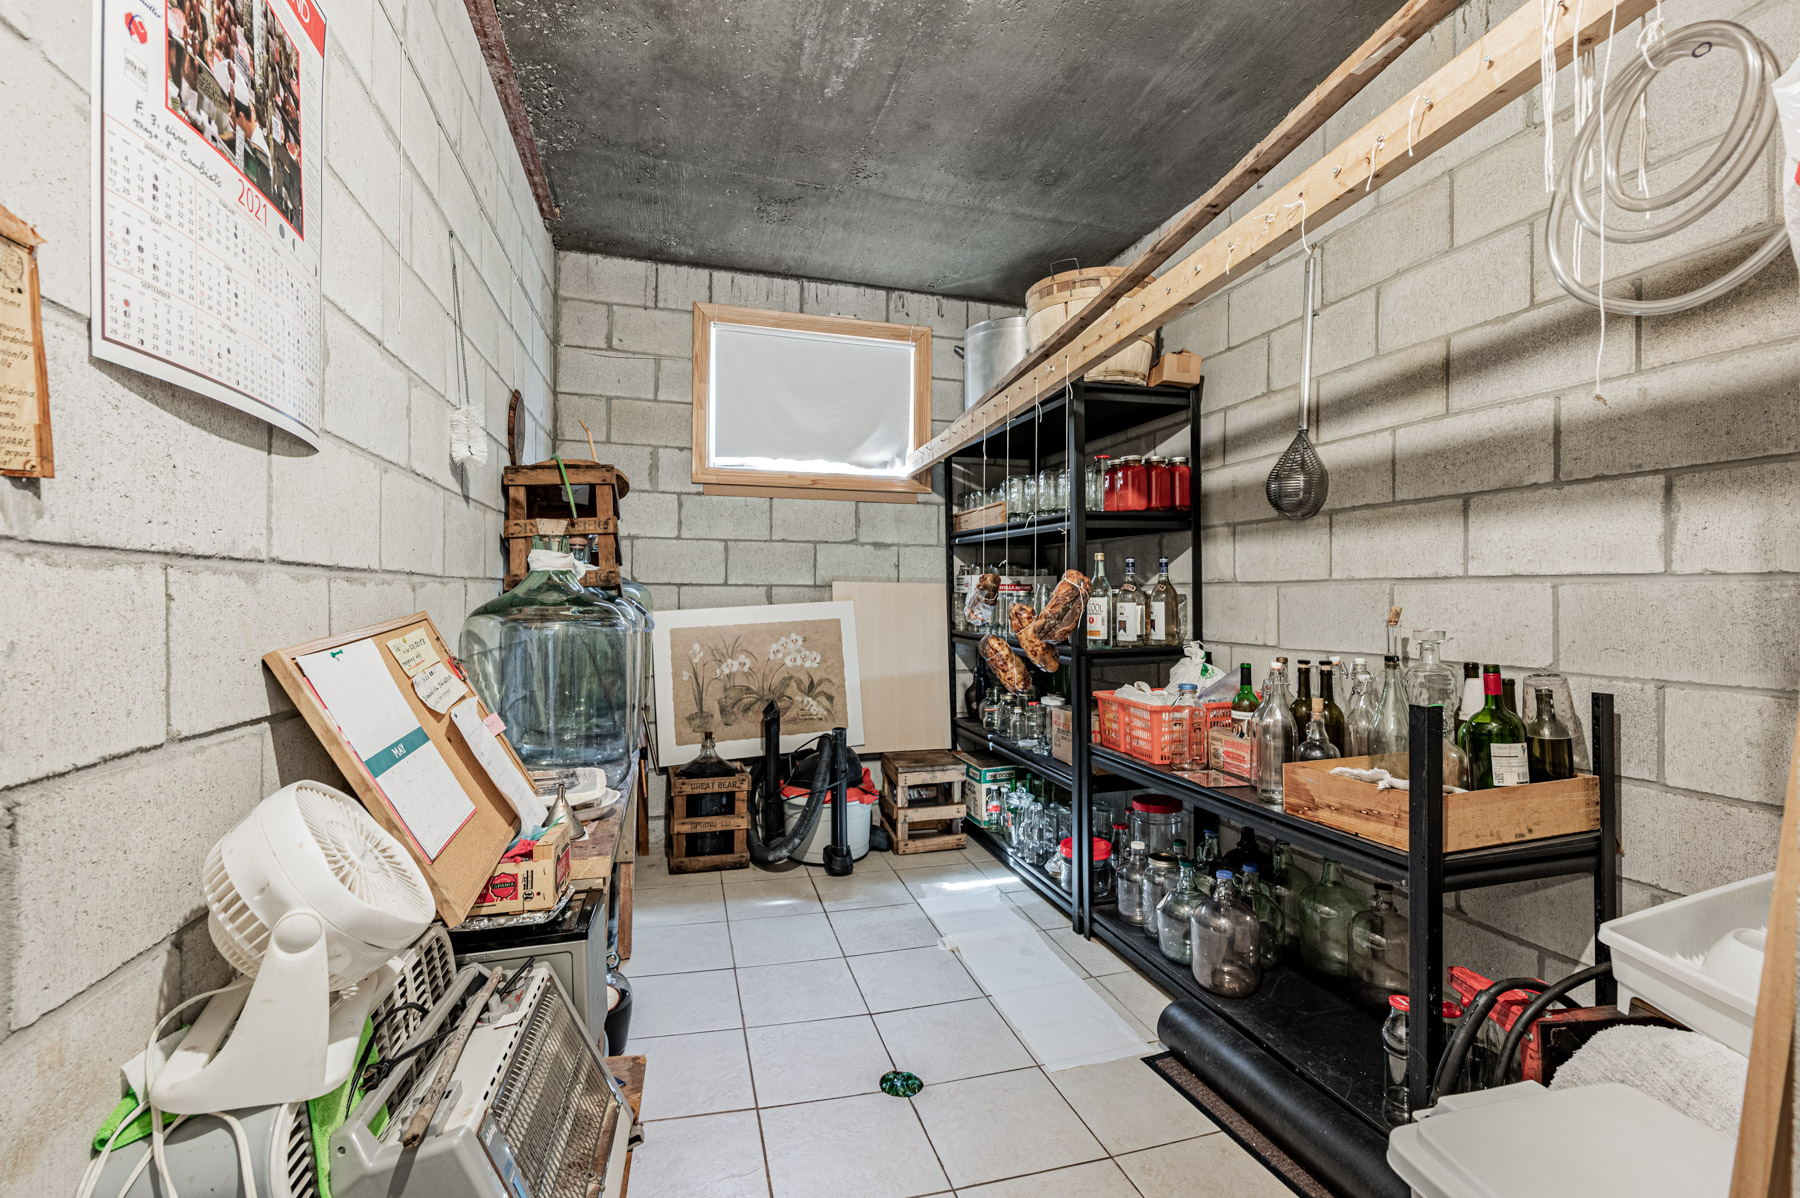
{"points": [[1308, 1025]]}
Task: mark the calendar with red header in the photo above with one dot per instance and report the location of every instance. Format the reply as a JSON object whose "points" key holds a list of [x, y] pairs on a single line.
{"points": [[208, 200]]}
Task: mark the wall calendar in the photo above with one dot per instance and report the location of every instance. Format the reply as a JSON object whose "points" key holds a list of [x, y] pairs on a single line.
{"points": [[208, 186]]}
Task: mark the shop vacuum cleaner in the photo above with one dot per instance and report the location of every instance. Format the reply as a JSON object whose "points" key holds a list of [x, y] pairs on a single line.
{"points": [[825, 767]]}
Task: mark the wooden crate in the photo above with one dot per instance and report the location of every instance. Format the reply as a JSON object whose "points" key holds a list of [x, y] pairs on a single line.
{"points": [[680, 825], [536, 505], [930, 820], [1472, 820], [916, 829], [991, 516]]}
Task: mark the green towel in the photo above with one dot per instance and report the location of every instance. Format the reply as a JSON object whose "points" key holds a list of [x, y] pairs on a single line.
{"points": [[325, 1113]]}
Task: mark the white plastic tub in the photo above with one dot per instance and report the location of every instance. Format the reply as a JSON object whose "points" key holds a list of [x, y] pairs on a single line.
{"points": [[812, 849], [1647, 947]]}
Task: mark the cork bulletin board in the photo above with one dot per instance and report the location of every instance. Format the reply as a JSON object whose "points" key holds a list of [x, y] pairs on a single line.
{"points": [[410, 735], [25, 449]]}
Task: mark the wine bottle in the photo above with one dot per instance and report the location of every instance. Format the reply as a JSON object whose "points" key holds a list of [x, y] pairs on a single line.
{"points": [[1548, 743], [1334, 715], [1302, 693], [1317, 746], [1390, 737], [1243, 704], [1100, 607], [1472, 697], [1494, 739]]}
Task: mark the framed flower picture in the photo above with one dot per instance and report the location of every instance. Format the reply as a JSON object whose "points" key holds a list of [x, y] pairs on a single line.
{"points": [[717, 668]]}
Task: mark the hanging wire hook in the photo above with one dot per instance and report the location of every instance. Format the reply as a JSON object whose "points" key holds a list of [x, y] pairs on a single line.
{"points": [[1229, 246], [1409, 125], [1374, 152], [1301, 204]]}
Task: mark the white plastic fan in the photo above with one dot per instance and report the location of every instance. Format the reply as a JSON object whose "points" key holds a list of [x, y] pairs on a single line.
{"points": [[307, 896]]}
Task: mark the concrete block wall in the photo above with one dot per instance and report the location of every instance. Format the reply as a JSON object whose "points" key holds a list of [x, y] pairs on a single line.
{"points": [[625, 376], [1644, 546], [182, 539]]}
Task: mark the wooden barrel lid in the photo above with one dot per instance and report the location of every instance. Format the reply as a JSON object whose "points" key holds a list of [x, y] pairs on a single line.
{"points": [[1086, 282]]}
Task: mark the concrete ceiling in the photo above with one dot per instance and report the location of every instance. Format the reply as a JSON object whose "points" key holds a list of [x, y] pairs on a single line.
{"points": [[952, 146]]}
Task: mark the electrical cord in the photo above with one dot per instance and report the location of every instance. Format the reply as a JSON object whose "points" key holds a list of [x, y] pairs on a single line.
{"points": [[1737, 152], [362, 1058], [1469, 1026], [1556, 990]]}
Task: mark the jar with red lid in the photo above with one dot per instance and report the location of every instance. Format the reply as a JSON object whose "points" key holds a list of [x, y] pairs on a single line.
{"points": [[1131, 491], [1181, 482], [1157, 819], [1159, 484], [1101, 887], [1396, 1105]]}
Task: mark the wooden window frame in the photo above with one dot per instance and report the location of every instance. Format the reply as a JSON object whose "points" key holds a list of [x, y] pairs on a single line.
{"points": [[737, 480]]}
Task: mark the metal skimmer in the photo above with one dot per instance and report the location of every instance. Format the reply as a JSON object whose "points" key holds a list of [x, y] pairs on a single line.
{"points": [[1299, 482]]}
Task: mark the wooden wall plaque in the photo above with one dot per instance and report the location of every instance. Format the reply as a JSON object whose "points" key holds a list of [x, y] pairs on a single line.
{"points": [[24, 374]]}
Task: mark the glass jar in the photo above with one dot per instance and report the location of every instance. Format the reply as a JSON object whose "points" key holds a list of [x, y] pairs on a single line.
{"points": [[1159, 484], [1130, 895], [1562, 704], [1378, 947], [1326, 910], [1429, 679], [1101, 884], [560, 664], [1396, 1096], [1286, 883], [1268, 916], [1160, 877], [1034, 725], [1181, 483], [1174, 915], [1131, 488], [1096, 483], [1156, 820], [1226, 941]]}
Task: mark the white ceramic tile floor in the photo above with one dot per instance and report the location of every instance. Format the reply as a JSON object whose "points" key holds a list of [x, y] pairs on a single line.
{"points": [[769, 1006]]}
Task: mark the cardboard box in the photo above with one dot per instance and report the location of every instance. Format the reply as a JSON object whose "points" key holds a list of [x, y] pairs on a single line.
{"points": [[534, 884], [1181, 367], [1062, 734], [984, 778]]}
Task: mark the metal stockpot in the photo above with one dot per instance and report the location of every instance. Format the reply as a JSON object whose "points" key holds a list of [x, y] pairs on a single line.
{"points": [[988, 351]]}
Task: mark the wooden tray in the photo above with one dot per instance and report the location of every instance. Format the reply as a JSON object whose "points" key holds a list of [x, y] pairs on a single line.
{"points": [[1472, 820], [992, 515]]}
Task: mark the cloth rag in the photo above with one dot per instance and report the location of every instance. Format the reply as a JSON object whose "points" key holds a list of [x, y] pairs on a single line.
{"points": [[1687, 1071]]}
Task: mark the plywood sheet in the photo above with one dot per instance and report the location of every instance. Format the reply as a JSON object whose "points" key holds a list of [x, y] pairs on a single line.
{"points": [[902, 644]]}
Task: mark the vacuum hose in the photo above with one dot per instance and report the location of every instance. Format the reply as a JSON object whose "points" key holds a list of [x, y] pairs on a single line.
{"points": [[1738, 151], [834, 767]]}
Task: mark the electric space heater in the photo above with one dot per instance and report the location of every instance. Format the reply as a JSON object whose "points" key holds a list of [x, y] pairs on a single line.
{"points": [[529, 1111], [202, 1157]]}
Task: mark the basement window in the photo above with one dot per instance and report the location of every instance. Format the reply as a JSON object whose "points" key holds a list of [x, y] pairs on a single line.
{"points": [[808, 407]]}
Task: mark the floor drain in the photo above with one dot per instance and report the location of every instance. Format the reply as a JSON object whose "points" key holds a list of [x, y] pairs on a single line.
{"points": [[900, 1084]]}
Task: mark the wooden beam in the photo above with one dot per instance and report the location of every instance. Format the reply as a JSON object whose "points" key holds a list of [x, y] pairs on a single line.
{"points": [[1414, 20], [506, 86], [1477, 83]]}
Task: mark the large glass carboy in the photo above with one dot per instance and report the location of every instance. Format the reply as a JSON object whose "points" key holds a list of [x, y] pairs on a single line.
{"points": [[562, 665]]}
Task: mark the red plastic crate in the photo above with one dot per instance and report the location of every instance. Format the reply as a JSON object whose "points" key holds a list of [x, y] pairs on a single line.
{"points": [[1139, 730]]}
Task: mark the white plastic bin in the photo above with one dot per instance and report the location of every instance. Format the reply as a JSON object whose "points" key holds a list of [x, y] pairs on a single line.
{"points": [[1646, 948], [812, 849]]}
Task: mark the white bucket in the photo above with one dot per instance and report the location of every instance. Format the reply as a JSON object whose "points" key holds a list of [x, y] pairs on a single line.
{"points": [[812, 850]]}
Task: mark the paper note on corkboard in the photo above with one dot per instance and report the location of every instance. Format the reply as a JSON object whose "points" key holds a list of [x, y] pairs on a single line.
{"points": [[24, 378]]}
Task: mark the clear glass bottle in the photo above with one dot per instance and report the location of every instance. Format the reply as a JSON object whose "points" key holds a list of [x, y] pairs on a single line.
{"points": [[1096, 483], [1549, 747], [1184, 735], [1317, 746], [1174, 913], [1277, 737], [1227, 941], [1287, 882], [1389, 738], [1268, 915], [1378, 947], [559, 663], [1160, 876], [1210, 856], [1361, 711], [1326, 910], [1494, 739], [1334, 715], [1165, 608], [1100, 607], [1131, 607], [1131, 884], [1430, 679]]}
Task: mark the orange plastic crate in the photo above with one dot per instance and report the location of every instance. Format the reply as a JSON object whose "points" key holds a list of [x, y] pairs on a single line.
{"points": [[1139, 730]]}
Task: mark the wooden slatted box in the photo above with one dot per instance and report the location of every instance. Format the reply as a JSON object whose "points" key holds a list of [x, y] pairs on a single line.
{"points": [[537, 505], [920, 806], [681, 825]]}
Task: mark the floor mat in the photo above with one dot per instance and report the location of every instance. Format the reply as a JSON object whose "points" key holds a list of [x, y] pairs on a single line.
{"points": [[1236, 1126]]}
